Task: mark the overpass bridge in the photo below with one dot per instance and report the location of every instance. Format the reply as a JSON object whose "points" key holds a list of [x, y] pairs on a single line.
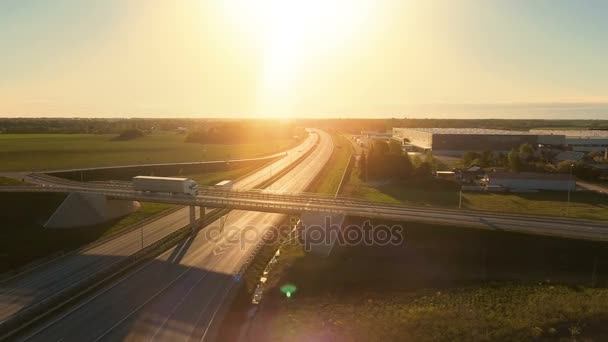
{"points": [[299, 203]]}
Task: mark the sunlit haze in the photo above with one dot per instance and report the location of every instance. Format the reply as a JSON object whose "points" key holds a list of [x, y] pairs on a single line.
{"points": [[273, 58]]}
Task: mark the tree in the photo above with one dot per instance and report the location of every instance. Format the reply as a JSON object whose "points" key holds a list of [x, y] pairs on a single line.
{"points": [[416, 160], [394, 147], [130, 134], [363, 167], [406, 168], [468, 158], [380, 147], [501, 159], [487, 158], [514, 161], [429, 159], [565, 165], [424, 170], [526, 148]]}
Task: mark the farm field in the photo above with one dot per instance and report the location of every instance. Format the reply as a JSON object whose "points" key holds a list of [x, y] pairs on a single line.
{"points": [[38, 152]]}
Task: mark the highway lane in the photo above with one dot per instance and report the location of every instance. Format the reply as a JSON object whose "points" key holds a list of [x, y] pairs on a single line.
{"points": [[178, 296], [50, 279]]}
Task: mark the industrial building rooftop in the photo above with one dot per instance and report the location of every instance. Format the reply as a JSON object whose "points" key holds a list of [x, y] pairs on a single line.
{"points": [[469, 131], [587, 133]]}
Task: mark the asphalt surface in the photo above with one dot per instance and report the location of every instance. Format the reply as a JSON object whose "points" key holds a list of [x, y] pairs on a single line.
{"points": [[181, 294], [51, 278], [593, 187]]}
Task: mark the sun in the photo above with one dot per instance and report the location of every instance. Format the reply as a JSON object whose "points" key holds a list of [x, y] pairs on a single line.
{"points": [[292, 37]]}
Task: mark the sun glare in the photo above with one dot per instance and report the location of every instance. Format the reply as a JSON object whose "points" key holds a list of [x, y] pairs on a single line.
{"points": [[293, 36]]}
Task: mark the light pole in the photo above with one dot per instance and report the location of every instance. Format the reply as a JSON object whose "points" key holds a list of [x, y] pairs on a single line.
{"points": [[270, 176], [569, 189], [460, 198]]}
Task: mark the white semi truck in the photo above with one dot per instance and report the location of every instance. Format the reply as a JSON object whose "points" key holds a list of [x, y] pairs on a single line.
{"points": [[172, 185]]}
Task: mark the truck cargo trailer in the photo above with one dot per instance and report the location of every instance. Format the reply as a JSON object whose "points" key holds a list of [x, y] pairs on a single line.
{"points": [[172, 185]]}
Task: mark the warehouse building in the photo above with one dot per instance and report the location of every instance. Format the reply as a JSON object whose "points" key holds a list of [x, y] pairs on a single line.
{"points": [[457, 141], [376, 135], [530, 181], [580, 140]]}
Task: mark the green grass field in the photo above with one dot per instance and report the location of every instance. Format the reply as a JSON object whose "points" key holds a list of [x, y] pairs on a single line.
{"points": [[6, 181], [212, 178], [583, 205], [442, 284], [487, 313], [434, 193], [34, 152], [328, 180]]}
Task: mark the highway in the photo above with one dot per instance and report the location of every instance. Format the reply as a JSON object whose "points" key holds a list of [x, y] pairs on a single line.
{"points": [[34, 287], [182, 293]]}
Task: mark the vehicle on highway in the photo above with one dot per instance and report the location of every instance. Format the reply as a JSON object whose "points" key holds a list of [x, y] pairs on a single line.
{"points": [[224, 185], [173, 185]]}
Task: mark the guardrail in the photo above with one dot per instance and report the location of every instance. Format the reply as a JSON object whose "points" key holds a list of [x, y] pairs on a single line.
{"points": [[295, 204], [225, 197]]}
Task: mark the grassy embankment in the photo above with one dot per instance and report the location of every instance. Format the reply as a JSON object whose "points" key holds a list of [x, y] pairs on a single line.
{"points": [[485, 313], [31, 152], [583, 205], [442, 284], [6, 181], [329, 178]]}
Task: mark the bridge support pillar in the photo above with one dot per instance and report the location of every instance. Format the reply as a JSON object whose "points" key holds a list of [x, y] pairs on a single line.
{"points": [[87, 209], [192, 218], [320, 242]]}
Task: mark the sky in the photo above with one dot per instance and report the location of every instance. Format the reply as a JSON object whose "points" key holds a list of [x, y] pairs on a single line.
{"points": [[313, 58]]}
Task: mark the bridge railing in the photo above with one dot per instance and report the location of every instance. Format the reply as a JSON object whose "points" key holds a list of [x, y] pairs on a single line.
{"points": [[290, 202]]}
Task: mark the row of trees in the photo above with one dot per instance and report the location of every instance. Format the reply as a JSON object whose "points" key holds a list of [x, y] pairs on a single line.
{"points": [[240, 132], [91, 126], [386, 160], [513, 160], [117, 126], [527, 159]]}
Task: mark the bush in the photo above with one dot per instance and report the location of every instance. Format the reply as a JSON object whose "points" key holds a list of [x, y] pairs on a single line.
{"points": [[130, 134], [241, 133]]}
